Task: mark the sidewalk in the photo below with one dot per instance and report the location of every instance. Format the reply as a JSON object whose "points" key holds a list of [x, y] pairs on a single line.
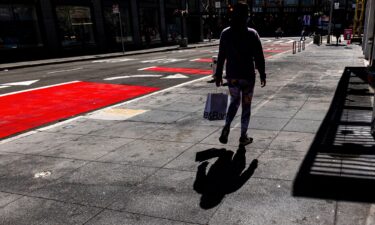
{"points": [[111, 168], [7, 66]]}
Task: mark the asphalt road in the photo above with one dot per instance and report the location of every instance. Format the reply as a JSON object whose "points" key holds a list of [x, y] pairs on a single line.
{"points": [[125, 70]]}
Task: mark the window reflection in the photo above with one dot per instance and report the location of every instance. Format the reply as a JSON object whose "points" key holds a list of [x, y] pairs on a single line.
{"points": [[76, 27], [112, 25], [19, 27], [149, 22]]}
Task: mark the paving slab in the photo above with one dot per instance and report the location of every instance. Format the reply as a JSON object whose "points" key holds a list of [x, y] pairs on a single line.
{"points": [[87, 147], [267, 123], [263, 201], [305, 126], [8, 198], [262, 138], [96, 184], [349, 213], [110, 217], [82, 126], [149, 153], [292, 141], [158, 116], [167, 194], [187, 161], [128, 129], [282, 165], [269, 112], [28, 210], [179, 135], [21, 176], [37, 143]]}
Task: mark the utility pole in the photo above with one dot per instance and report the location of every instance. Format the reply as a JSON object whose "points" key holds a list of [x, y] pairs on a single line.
{"points": [[330, 23]]}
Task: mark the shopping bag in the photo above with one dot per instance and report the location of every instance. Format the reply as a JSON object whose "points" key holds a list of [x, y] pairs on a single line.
{"points": [[216, 106]]}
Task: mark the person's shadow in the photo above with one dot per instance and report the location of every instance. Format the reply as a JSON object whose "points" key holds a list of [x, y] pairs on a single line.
{"points": [[225, 176]]}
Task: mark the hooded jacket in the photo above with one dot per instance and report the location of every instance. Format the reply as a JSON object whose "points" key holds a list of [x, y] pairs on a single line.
{"points": [[241, 48]]}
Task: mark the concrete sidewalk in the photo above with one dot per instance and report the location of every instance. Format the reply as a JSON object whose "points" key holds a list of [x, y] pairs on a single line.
{"points": [[143, 170], [7, 66]]}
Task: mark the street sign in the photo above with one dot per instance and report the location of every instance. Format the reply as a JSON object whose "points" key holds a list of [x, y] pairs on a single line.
{"points": [[337, 5], [115, 8], [217, 5]]}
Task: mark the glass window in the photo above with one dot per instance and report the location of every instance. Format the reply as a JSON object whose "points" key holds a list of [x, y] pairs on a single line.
{"points": [[173, 25], [112, 24], [149, 25], [307, 2], [290, 2], [75, 25], [19, 27]]}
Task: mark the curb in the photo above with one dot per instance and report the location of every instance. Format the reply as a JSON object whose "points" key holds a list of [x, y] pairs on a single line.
{"points": [[116, 55]]}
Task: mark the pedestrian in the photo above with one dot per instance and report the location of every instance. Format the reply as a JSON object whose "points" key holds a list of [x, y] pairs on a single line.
{"points": [[279, 33], [337, 34], [239, 46], [303, 33]]}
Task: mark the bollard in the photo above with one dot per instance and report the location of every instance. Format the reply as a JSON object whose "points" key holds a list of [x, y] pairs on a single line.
{"points": [[294, 47], [214, 64], [303, 45], [299, 46]]}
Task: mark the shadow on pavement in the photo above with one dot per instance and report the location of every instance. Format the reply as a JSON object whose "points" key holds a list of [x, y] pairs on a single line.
{"points": [[340, 163], [226, 175]]}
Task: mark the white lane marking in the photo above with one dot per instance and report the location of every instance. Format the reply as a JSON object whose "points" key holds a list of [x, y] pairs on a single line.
{"points": [[147, 68], [290, 41], [266, 41], [62, 71], [4, 86], [132, 76], [278, 42], [32, 89], [162, 60], [176, 76], [112, 60], [20, 83]]}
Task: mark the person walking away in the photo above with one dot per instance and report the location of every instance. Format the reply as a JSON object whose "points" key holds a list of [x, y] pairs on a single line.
{"points": [[240, 47]]}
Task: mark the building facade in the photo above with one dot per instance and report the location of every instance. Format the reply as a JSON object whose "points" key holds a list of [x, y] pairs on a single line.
{"points": [[369, 33], [31, 29]]}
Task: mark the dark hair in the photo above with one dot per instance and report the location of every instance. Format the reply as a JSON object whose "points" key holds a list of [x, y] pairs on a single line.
{"points": [[239, 15]]}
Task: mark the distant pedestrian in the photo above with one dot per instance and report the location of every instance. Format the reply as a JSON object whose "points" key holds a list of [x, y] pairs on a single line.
{"points": [[279, 33], [240, 46], [303, 35], [337, 34]]}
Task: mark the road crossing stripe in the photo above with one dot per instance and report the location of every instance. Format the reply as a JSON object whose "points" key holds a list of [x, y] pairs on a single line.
{"points": [[179, 70], [202, 60]]}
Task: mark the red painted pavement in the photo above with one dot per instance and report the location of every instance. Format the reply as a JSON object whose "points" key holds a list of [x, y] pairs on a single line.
{"points": [[180, 70], [23, 111]]}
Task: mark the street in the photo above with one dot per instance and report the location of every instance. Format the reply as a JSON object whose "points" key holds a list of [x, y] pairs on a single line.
{"points": [[137, 161], [140, 72]]}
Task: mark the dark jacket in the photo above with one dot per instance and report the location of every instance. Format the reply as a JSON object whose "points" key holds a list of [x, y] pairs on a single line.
{"points": [[240, 49]]}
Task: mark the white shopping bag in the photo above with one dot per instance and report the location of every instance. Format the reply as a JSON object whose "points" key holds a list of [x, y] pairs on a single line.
{"points": [[216, 106]]}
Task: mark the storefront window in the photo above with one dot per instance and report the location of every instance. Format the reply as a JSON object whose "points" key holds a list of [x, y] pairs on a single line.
{"points": [[149, 22], [173, 20], [19, 27], [291, 2], [112, 24], [76, 27]]}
